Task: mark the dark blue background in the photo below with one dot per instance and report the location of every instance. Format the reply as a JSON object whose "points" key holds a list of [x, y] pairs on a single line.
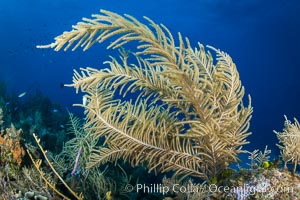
{"points": [[262, 37]]}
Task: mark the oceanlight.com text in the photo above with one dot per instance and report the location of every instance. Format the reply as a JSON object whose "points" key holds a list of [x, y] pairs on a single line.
{"points": [[244, 190]]}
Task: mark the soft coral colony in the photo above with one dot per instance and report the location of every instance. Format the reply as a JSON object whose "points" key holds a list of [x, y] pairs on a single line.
{"points": [[187, 117], [165, 105]]}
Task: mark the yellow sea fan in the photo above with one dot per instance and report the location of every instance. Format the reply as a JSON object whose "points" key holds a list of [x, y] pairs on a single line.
{"points": [[172, 108], [289, 140]]}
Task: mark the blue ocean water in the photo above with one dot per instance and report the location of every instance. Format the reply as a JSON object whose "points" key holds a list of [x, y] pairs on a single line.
{"points": [[262, 37]]}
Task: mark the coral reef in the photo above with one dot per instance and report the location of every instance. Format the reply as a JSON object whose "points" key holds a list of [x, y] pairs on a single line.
{"points": [[16, 181], [261, 184], [185, 112], [35, 113], [163, 106]]}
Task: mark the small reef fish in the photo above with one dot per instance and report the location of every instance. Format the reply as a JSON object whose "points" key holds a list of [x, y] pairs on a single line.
{"points": [[84, 100], [62, 126], [55, 110], [22, 94]]}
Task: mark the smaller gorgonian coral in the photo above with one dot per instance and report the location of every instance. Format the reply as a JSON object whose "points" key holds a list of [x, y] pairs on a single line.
{"points": [[290, 142]]}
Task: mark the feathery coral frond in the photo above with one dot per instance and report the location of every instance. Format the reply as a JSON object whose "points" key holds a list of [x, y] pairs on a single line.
{"points": [[185, 113], [290, 142]]}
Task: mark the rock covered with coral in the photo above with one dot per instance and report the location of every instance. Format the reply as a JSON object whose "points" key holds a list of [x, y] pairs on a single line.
{"points": [[260, 183]]}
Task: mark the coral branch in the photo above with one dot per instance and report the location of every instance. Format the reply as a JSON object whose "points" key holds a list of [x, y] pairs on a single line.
{"points": [[37, 165]]}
